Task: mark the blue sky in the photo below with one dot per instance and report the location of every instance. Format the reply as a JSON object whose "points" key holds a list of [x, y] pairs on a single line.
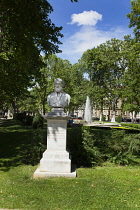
{"points": [[89, 23]]}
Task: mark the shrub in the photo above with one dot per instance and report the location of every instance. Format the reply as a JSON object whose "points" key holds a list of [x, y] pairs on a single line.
{"points": [[75, 146], [134, 146], [103, 118], [119, 119], [20, 116], [24, 119], [38, 121], [93, 155], [28, 120], [92, 146]]}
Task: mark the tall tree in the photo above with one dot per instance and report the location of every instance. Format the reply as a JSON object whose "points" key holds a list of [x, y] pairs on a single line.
{"points": [[134, 17], [105, 66], [78, 87], [131, 79], [25, 31], [26, 22]]}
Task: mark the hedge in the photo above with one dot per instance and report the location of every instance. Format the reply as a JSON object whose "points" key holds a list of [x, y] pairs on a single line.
{"points": [[93, 146]]}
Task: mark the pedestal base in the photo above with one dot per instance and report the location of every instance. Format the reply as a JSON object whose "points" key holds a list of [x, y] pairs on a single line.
{"points": [[55, 162], [40, 174]]}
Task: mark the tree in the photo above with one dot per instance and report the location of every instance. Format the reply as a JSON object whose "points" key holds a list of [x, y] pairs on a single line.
{"points": [[131, 79], [105, 66], [134, 17], [26, 30], [55, 67], [44, 83], [25, 23], [78, 87]]}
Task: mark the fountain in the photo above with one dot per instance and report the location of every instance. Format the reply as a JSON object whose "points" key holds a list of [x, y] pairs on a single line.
{"points": [[87, 114]]}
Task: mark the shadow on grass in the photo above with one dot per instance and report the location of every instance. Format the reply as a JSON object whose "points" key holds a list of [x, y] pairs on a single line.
{"points": [[20, 144]]}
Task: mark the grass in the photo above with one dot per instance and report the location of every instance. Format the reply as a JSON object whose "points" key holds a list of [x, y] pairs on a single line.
{"points": [[98, 188], [108, 187], [18, 144]]}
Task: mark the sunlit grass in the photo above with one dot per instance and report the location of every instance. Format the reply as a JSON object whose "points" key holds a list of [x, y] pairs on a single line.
{"points": [[106, 188], [98, 188]]}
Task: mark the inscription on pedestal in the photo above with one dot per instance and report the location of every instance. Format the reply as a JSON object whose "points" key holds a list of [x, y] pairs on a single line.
{"points": [[56, 134]]}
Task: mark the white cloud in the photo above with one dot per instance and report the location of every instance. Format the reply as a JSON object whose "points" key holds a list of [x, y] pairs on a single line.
{"points": [[86, 18], [88, 36]]}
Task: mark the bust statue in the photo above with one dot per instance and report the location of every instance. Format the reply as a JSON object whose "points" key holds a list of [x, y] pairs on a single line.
{"points": [[58, 99]]}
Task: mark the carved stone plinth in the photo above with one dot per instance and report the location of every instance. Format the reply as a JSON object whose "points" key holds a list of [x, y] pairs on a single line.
{"points": [[55, 161]]}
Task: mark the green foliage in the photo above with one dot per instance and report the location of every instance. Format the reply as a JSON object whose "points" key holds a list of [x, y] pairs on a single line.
{"points": [[75, 146], [134, 146], [38, 121], [105, 66], [119, 119], [130, 92], [134, 17], [128, 148], [90, 146], [55, 67], [92, 152], [24, 119], [28, 23], [26, 30], [113, 69], [103, 118]]}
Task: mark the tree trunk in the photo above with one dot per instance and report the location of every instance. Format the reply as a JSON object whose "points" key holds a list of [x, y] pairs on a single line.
{"points": [[15, 109]]}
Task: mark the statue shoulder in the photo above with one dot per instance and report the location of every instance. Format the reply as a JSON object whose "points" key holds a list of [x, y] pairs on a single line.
{"points": [[50, 95], [66, 94]]}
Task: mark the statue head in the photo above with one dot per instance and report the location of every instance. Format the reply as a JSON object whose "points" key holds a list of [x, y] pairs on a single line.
{"points": [[58, 85]]}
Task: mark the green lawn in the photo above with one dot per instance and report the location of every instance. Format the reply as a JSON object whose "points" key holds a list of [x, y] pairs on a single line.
{"points": [[20, 144], [106, 188], [99, 188]]}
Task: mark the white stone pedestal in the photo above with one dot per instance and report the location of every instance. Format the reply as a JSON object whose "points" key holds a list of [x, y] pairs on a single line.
{"points": [[55, 161]]}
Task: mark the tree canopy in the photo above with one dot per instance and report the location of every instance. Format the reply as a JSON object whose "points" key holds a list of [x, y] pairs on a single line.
{"points": [[24, 23], [113, 69], [134, 17], [25, 31]]}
